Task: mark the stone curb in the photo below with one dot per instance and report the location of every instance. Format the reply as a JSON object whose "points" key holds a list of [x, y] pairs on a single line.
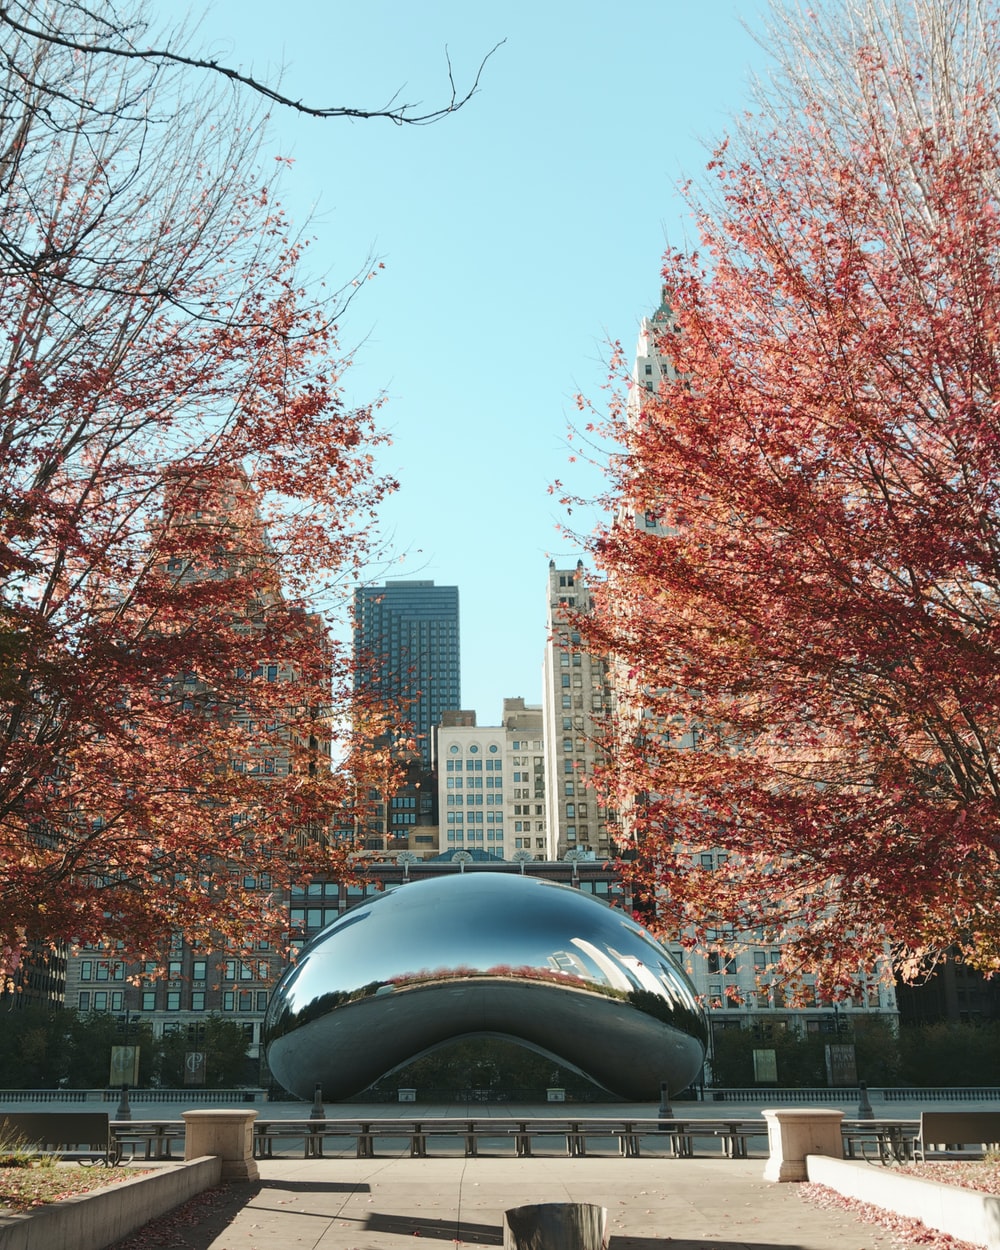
{"points": [[962, 1213], [94, 1220]]}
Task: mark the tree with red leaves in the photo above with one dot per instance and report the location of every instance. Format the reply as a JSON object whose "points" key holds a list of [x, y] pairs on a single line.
{"points": [[809, 623], [181, 486]]}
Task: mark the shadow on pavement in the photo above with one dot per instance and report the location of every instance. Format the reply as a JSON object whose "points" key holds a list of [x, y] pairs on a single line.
{"points": [[196, 1224], [315, 1187], [444, 1230]]}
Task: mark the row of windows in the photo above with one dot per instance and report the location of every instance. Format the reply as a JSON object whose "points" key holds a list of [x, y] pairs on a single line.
{"points": [[773, 997], [475, 783], [475, 835], [232, 1000]]}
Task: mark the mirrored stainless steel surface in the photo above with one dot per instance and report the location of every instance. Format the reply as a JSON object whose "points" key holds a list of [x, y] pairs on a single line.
{"points": [[484, 953]]}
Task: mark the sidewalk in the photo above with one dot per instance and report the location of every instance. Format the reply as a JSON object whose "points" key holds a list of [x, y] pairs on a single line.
{"points": [[385, 1203]]}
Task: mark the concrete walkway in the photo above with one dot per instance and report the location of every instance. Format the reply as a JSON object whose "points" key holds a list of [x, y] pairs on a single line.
{"points": [[386, 1203]]}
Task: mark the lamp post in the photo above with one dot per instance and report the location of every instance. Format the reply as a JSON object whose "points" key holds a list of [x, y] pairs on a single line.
{"points": [[124, 1111]]}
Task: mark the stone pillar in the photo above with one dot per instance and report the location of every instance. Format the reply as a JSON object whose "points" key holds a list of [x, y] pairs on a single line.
{"points": [[228, 1134], [793, 1134]]}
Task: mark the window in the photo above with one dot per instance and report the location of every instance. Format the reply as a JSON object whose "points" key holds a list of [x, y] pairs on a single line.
{"points": [[173, 1000], [84, 1000], [149, 1000]]}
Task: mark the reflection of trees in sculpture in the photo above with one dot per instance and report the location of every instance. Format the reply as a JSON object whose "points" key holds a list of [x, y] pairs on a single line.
{"points": [[671, 1010]]}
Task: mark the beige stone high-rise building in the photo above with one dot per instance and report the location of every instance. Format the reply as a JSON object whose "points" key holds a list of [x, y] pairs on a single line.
{"points": [[576, 702], [491, 783]]}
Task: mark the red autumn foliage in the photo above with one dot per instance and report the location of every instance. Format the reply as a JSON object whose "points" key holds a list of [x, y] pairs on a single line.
{"points": [[813, 624], [181, 484]]}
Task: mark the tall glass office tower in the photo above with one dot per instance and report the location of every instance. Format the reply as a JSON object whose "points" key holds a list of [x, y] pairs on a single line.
{"points": [[406, 649]]}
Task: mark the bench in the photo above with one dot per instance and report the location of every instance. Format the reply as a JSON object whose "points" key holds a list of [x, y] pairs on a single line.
{"points": [[80, 1135], [156, 1137], [944, 1134], [734, 1135], [891, 1139], [312, 1134]]}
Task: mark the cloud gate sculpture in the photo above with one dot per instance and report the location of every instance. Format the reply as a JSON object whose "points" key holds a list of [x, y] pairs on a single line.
{"points": [[484, 953]]}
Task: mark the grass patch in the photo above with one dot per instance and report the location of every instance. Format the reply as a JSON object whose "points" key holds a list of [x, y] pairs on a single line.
{"points": [[24, 1188]]}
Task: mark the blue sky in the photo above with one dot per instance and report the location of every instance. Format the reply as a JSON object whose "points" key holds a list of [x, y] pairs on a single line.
{"points": [[519, 236]]}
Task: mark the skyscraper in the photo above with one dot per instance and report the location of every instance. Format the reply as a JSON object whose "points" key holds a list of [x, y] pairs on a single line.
{"points": [[406, 651], [576, 701]]}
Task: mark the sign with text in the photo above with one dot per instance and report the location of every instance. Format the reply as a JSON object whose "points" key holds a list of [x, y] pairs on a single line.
{"points": [[841, 1066]]}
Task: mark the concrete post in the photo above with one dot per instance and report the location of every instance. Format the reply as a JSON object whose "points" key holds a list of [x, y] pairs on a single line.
{"points": [[793, 1134], [228, 1134]]}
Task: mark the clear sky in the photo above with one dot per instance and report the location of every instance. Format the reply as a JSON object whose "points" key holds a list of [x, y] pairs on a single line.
{"points": [[519, 237]]}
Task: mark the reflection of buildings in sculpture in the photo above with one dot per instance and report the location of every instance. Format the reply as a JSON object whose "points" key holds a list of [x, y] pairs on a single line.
{"points": [[382, 987], [576, 701], [734, 979]]}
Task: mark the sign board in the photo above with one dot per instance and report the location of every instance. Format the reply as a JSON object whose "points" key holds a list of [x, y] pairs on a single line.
{"points": [[765, 1067], [124, 1065], [194, 1067], [841, 1066]]}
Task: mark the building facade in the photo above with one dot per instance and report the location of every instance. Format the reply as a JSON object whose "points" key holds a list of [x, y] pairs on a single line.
{"points": [[491, 784], [577, 704], [176, 994], [735, 976], [407, 653]]}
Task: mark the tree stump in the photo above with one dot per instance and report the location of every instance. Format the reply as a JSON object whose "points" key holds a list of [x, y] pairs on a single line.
{"points": [[555, 1226]]}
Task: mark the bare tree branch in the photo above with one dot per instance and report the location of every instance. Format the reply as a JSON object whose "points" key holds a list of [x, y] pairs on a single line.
{"points": [[401, 114]]}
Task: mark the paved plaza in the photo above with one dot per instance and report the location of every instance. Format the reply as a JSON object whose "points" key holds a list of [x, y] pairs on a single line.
{"points": [[388, 1203]]}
